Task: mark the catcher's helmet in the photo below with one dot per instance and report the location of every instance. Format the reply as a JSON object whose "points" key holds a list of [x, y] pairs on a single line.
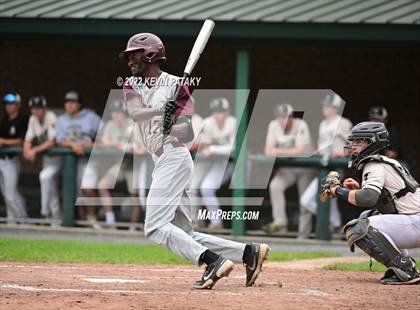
{"points": [[37, 102], [283, 110], [374, 132], [154, 50], [378, 112]]}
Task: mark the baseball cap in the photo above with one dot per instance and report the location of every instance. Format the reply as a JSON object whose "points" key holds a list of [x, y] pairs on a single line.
{"points": [[72, 95], [332, 100], [378, 112], [219, 105], [118, 105], [11, 97], [283, 110], [37, 102]]}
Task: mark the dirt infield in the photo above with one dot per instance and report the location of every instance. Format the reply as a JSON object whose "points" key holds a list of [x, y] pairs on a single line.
{"points": [[280, 286]]}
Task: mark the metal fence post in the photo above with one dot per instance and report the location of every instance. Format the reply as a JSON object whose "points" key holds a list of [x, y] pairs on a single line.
{"points": [[69, 188], [322, 228], [242, 82]]}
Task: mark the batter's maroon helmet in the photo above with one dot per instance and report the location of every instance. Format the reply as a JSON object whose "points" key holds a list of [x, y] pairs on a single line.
{"points": [[154, 50]]}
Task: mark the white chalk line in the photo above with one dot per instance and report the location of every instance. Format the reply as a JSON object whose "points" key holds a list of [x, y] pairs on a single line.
{"points": [[76, 290], [90, 267], [109, 280]]}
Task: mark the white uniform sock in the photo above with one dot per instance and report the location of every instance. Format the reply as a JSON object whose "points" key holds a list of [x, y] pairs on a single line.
{"points": [[110, 217]]}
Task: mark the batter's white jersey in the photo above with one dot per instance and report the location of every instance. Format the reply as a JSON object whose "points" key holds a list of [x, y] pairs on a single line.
{"points": [[335, 130], [221, 139], [377, 175], [155, 97]]}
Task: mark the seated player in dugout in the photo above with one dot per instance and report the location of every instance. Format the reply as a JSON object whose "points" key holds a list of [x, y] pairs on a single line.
{"points": [[392, 227], [213, 169], [380, 114], [332, 137], [13, 126], [288, 136], [166, 128], [76, 129], [40, 137], [118, 134]]}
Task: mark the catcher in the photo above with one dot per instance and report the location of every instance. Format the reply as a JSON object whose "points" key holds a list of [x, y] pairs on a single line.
{"points": [[393, 225]]}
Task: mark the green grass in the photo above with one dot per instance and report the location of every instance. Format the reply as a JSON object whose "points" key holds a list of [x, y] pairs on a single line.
{"points": [[290, 256], [60, 251], [364, 266]]}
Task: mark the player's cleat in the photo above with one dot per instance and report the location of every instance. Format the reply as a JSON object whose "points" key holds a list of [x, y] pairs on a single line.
{"points": [[404, 278], [254, 263], [214, 272], [275, 227]]}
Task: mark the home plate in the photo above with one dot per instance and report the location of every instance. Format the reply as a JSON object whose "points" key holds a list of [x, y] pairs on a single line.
{"points": [[108, 280]]}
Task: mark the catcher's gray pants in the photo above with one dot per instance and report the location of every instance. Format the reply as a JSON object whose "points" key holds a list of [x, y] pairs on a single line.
{"points": [[402, 230], [9, 177], [284, 178], [168, 222], [50, 199]]}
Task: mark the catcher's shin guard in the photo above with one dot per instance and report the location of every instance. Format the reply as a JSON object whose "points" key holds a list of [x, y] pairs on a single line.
{"points": [[376, 245]]}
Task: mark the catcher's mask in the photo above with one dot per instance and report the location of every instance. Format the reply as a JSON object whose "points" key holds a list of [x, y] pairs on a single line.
{"points": [[377, 138]]}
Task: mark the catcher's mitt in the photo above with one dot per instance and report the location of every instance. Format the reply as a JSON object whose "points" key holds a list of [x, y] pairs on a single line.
{"points": [[332, 179], [169, 117]]}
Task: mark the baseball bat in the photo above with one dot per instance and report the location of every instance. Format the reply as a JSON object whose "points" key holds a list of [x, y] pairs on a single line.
{"points": [[199, 45]]}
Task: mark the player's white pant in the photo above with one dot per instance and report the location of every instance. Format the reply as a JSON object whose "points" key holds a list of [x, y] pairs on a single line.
{"points": [[208, 177], [142, 181], [402, 230], [284, 178], [309, 201], [167, 211], [9, 177], [50, 198]]}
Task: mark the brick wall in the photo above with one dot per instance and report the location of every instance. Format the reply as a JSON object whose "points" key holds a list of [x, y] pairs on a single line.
{"points": [[363, 76]]}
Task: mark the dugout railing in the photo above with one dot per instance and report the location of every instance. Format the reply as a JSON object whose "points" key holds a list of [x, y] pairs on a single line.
{"points": [[69, 170]]}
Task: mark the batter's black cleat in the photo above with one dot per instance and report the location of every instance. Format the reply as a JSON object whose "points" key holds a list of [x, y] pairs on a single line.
{"points": [[214, 272], [254, 262]]}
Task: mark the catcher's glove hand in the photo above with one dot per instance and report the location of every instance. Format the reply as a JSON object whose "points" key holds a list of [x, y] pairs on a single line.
{"points": [[332, 179], [169, 117]]}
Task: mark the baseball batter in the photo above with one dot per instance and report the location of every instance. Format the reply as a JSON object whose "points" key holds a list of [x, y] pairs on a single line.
{"points": [[167, 220], [386, 232]]}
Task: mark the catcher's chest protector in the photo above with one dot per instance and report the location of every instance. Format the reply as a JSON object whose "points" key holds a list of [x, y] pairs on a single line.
{"points": [[385, 203]]}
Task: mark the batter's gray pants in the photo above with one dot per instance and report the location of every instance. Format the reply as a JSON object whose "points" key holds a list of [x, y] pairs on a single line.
{"points": [[168, 222]]}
